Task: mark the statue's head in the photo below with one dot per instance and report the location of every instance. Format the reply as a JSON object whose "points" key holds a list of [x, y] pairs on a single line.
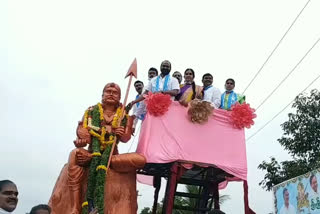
{"points": [[111, 94]]}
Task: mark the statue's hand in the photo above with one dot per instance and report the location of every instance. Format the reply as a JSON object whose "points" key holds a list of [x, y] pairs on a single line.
{"points": [[129, 106], [80, 142], [119, 131], [82, 132], [84, 137], [83, 157]]}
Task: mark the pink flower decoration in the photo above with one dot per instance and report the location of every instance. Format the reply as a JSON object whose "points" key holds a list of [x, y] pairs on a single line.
{"points": [[158, 104], [242, 115]]}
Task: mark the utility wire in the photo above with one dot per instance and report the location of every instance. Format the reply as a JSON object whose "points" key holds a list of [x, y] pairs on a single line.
{"points": [[286, 77], [275, 48], [281, 110], [137, 131]]}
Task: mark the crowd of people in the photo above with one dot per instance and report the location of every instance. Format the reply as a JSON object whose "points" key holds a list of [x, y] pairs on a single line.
{"points": [[183, 89]]}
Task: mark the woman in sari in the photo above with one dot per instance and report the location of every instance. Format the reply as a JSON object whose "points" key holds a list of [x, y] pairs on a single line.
{"points": [[189, 90]]}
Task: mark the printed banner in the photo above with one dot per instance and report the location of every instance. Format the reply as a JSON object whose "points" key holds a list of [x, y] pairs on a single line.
{"points": [[298, 195]]}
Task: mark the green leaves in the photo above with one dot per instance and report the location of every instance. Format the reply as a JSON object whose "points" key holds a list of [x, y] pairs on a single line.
{"points": [[301, 138]]}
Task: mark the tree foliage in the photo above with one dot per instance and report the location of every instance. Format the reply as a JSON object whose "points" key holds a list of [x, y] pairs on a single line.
{"points": [[181, 201], [301, 138], [146, 210]]}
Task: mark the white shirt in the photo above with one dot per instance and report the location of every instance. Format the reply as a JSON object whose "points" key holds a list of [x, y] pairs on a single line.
{"points": [[212, 95], [314, 194], [3, 211], [138, 111], [289, 210], [172, 84]]}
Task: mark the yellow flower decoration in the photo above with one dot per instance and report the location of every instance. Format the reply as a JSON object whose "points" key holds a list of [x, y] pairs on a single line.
{"points": [[93, 133], [102, 167], [100, 111], [95, 154], [116, 118], [85, 119], [103, 134], [105, 143], [85, 204]]}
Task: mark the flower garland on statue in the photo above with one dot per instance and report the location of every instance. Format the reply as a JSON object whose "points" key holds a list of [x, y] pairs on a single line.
{"points": [[101, 149]]}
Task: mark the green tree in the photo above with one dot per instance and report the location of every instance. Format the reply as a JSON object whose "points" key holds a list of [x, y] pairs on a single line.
{"points": [[301, 138], [181, 201], [146, 210]]}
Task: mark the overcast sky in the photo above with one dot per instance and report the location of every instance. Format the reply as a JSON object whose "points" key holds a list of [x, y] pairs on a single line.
{"points": [[56, 56]]}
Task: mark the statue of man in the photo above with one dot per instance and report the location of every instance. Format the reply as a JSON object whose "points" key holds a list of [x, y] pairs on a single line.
{"points": [[74, 175]]}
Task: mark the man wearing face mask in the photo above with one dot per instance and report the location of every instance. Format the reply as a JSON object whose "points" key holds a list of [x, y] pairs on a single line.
{"points": [[229, 97]]}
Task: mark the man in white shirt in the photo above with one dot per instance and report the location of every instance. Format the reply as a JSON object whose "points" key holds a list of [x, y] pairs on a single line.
{"points": [[287, 208], [210, 93], [8, 196], [138, 109], [163, 83]]}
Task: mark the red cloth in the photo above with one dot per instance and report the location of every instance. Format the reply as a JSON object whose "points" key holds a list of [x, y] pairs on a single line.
{"points": [[247, 209]]}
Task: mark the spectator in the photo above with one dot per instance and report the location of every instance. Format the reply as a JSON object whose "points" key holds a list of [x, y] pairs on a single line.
{"points": [[40, 209], [153, 72], [178, 76], [8, 196]]}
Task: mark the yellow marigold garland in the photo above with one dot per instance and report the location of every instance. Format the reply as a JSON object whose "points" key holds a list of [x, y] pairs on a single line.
{"points": [[102, 167], [96, 154], [101, 152], [93, 133], [85, 119], [100, 111], [85, 204], [105, 143], [116, 118], [103, 134]]}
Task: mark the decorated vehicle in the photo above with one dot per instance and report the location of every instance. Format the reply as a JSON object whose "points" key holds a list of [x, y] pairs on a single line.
{"points": [[191, 144]]}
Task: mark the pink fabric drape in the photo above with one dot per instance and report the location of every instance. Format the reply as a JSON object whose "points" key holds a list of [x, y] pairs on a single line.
{"points": [[173, 137]]}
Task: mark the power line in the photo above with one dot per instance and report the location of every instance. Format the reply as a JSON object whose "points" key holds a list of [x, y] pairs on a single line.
{"points": [[138, 131], [284, 35], [281, 110], [286, 77]]}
